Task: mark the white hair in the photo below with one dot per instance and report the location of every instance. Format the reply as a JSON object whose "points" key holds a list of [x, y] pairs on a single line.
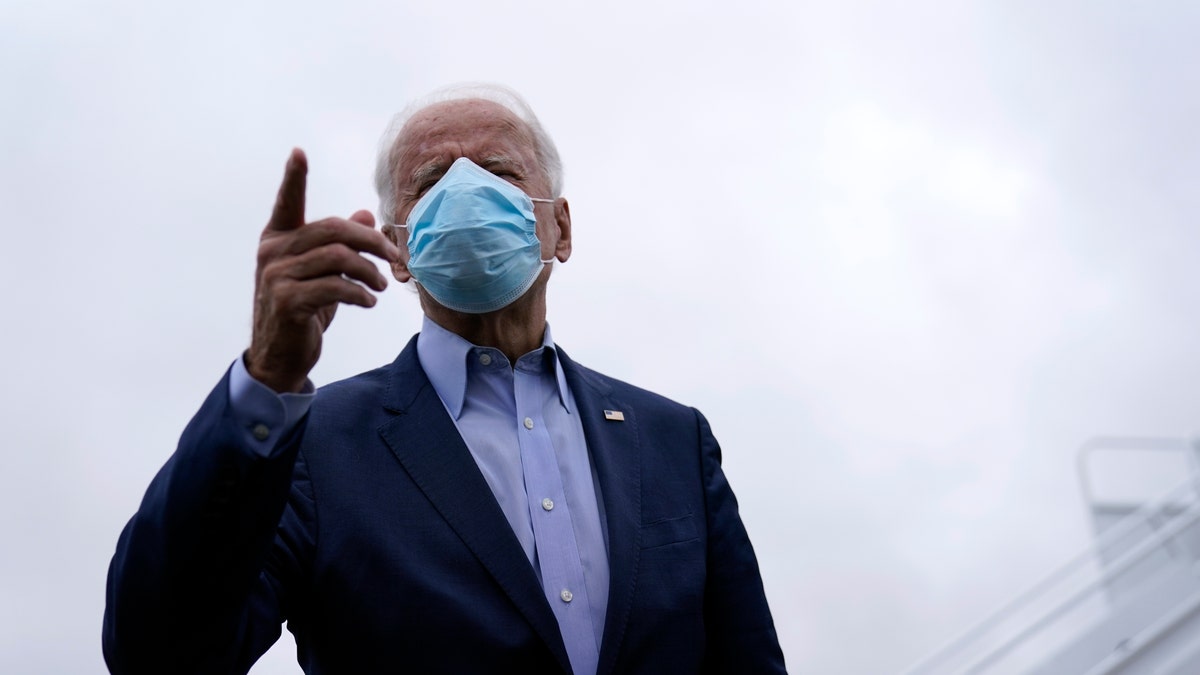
{"points": [[388, 158]]}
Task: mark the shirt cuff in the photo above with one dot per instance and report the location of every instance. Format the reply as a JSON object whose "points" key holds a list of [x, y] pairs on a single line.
{"points": [[263, 415]]}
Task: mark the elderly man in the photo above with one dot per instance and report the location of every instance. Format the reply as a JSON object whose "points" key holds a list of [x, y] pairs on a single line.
{"points": [[483, 504]]}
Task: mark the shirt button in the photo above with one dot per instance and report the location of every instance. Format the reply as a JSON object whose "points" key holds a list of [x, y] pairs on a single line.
{"points": [[547, 503], [528, 423], [260, 431], [566, 595], [485, 359]]}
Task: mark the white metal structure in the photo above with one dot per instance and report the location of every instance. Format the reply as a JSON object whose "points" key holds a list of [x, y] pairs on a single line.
{"points": [[1130, 604]]}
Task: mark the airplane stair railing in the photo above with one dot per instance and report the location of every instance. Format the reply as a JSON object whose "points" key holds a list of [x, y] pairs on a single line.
{"points": [[1128, 604]]}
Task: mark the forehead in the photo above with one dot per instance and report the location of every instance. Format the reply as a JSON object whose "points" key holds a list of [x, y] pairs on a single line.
{"points": [[470, 128]]}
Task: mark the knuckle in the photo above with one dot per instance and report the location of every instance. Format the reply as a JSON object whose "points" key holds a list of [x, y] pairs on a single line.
{"points": [[326, 228], [265, 252], [321, 233], [272, 273], [348, 256], [270, 248], [338, 255]]}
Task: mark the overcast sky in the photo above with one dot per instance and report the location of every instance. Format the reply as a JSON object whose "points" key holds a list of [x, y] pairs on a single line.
{"points": [[906, 257]]}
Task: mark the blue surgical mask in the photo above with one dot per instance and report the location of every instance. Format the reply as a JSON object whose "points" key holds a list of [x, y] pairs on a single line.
{"points": [[472, 240]]}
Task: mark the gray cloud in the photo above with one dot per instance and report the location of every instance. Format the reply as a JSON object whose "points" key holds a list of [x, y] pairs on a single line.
{"points": [[906, 259]]}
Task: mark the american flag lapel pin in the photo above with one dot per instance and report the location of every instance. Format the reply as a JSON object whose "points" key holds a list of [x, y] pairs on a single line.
{"points": [[614, 415]]}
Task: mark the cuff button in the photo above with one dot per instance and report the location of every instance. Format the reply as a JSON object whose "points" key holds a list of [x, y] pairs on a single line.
{"points": [[260, 431]]}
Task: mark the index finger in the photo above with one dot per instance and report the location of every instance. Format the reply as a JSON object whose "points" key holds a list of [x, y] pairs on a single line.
{"points": [[288, 213]]}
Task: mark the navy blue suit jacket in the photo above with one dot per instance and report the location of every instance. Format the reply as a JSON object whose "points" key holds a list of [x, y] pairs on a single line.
{"points": [[375, 536]]}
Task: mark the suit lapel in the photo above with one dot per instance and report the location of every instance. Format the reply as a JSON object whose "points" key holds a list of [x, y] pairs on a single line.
{"points": [[428, 445], [614, 448]]}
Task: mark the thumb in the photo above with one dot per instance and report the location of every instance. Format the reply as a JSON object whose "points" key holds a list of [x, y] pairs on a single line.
{"points": [[288, 213]]}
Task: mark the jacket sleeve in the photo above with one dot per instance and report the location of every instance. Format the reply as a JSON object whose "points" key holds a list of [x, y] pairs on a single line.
{"points": [[740, 634], [198, 581]]}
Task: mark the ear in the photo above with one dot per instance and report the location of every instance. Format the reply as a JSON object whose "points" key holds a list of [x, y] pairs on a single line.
{"points": [[562, 218], [400, 267]]}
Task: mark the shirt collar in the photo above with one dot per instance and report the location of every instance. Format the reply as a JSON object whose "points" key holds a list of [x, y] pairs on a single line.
{"points": [[443, 356]]}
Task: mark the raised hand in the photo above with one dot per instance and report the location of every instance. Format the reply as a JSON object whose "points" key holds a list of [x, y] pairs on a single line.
{"points": [[304, 272]]}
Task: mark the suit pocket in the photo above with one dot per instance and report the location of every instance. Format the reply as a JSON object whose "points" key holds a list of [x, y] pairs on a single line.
{"points": [[668, 531]]}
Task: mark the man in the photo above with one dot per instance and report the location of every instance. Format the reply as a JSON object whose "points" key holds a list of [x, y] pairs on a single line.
{"points": [[483, 504]]}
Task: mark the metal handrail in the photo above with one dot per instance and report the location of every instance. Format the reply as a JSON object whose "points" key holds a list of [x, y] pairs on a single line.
{"points": [[1146, 638], [1174, 663], [1106, 539], [1112, 571]]}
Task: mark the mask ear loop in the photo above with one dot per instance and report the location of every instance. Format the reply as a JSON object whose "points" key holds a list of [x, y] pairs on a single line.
{"points": [[540, 200], [399, 226]]}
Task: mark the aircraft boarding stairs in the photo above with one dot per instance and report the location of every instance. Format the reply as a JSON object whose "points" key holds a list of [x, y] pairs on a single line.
{"points": [[1130, 603]]}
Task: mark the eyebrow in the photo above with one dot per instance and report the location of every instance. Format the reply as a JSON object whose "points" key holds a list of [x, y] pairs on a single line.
{"points": [[428, 171], [434, 169], [501, 161]]}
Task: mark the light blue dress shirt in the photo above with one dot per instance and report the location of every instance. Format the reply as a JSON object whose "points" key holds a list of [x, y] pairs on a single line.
{"points": [[522, 427], [263, 415]]}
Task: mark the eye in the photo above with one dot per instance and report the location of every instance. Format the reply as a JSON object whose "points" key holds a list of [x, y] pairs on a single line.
{"points": [[507, 175]]}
